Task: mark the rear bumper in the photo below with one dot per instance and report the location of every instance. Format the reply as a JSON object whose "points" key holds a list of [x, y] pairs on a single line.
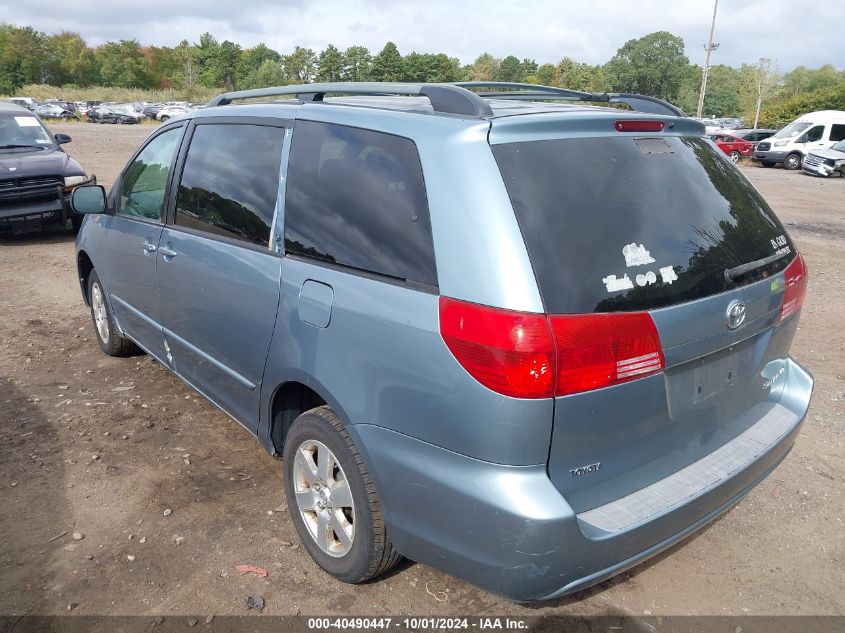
{"points": [[508, 530]]}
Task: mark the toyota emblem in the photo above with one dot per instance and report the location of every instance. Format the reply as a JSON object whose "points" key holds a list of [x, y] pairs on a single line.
{"points": [[735, 314]]}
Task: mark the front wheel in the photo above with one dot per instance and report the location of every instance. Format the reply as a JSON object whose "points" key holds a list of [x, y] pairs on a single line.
{"points": [[333, 502], [110, 341], [735, 156], [792, 162], [164, 118]]}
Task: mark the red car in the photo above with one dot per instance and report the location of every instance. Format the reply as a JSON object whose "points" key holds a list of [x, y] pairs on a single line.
{"points": [[734, 147]]}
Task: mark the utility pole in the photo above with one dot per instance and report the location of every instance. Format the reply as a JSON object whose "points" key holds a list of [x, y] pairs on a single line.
{"points": [[707, 50]]}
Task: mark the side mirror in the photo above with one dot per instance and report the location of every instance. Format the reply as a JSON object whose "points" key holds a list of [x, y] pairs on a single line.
{"points": [[88, 199], [61, 139]]}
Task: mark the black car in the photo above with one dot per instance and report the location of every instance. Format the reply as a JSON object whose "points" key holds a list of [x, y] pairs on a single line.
{"points": [[36, 175], [105, 114], [151, 110]]}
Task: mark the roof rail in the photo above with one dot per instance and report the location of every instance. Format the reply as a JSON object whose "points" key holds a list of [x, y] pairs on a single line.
{"points": [[445, 98], [533, 92]]}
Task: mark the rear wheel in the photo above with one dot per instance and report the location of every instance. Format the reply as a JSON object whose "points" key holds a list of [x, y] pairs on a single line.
{"points": [[333, 502], [735, 156], [110, 341], [164, 118], [792, 162]]}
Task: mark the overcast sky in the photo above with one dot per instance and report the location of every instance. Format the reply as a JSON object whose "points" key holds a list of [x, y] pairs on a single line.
{"points": [[794, 33]]}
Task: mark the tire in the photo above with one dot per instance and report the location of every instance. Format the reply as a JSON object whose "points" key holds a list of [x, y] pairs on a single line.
{"points": [[767, 163], [164, 118], [734, 156], [105, 331], [367, 552], [792, 162]]}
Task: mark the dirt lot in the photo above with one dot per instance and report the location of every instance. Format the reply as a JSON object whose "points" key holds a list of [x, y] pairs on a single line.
{"points": [[104, 447]]}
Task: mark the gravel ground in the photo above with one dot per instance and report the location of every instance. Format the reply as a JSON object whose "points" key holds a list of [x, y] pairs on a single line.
{"points": [[168, 494]]}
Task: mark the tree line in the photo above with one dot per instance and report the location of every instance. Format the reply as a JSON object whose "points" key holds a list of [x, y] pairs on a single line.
{"points": [[654, 64]]}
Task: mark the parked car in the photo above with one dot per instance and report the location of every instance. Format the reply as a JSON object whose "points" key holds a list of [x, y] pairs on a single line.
{"points": [[826, 162], [36, 175], [755, 136], [27, 102], [168, 112], [811, 132], [458, 362], [734, 147], [53, 111], [129, 109], [110, 114]]}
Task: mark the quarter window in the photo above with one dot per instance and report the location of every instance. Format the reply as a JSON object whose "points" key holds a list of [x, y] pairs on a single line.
{"points": [[230, 181], [144, 182], [356, 198], [837, 132]]}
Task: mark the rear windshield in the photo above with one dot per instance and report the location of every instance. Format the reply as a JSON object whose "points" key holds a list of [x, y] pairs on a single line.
{"points": [[622, 223]]}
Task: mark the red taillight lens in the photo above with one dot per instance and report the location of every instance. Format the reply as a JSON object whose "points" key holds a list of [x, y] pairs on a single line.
{"points": [[599, 350], [639, 126], [527, 355], [511, 353], [796, 287]]}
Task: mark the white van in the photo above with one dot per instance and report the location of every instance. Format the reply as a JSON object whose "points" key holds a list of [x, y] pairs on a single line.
{"points": [[811, 131]]}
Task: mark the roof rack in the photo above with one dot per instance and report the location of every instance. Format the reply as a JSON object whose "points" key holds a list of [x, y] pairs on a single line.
{"points": [[532, 92], [445, 98]]}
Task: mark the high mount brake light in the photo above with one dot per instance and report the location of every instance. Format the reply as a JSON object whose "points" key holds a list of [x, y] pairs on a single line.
{"points": [[530, 355], [795, 277], [626, 125]]}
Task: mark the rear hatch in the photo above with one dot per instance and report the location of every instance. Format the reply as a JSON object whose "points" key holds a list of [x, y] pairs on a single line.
{"points": [[650, 230]]}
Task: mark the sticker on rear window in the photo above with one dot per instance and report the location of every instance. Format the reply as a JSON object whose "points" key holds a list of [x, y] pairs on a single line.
{"points": [[614, 285], [668, 274], [636, 255], [26, 121]]}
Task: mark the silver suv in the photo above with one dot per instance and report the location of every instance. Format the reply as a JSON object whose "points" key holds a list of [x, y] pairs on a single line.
{"points": [[528, 341]]}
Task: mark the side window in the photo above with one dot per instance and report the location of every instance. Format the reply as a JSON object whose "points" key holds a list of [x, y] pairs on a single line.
{"points": [[230, 181], [357, 198], [815, 133], [837, 132], [142, 189]]}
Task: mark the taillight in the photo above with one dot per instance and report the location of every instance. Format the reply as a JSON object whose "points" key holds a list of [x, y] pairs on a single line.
{"points": [[796, 287], [529, 355], [639, 126], [599, 350], [511, 353]]}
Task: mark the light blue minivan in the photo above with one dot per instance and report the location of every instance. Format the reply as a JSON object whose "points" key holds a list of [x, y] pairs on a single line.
{"points": [[489, 327]]}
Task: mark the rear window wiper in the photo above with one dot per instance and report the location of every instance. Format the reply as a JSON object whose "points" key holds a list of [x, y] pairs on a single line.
{"points": [[742, 269]]}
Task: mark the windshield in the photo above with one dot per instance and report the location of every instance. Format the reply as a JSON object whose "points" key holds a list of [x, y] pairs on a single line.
{"points": [[23, 130], [793, 129], [622, 223], [839, 147]]}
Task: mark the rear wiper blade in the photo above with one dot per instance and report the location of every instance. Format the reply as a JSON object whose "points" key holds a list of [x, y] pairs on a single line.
{"points": [[739, 271]]}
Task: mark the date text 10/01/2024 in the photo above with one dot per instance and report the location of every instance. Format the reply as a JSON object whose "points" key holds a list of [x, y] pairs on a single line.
{"points": [[416, 624]]}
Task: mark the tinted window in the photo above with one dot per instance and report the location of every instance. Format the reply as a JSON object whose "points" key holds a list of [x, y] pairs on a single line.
{"points": [[144, 182], [837, 132], [230, 181], [635, 223], [815, 133], [356, 197]]}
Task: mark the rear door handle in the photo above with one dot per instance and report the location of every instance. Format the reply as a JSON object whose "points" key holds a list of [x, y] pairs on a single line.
{"points": [[167, 253]]}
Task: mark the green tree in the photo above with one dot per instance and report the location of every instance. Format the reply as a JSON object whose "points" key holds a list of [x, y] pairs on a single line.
{"points": [[69, 60], [723, 92], [484, 68], [301, 65], [578, 76], [123, 65], [22, 57], [270, 73], [203, 56], [510, 69], [357, 63], [651, 65], [803, 79], [388, 64], [545, 74], [224, 65], [164, 65], [251, 60], [330, 64]]}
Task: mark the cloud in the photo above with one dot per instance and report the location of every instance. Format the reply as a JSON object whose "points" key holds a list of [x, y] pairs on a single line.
{"points": [[546, 30]]}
